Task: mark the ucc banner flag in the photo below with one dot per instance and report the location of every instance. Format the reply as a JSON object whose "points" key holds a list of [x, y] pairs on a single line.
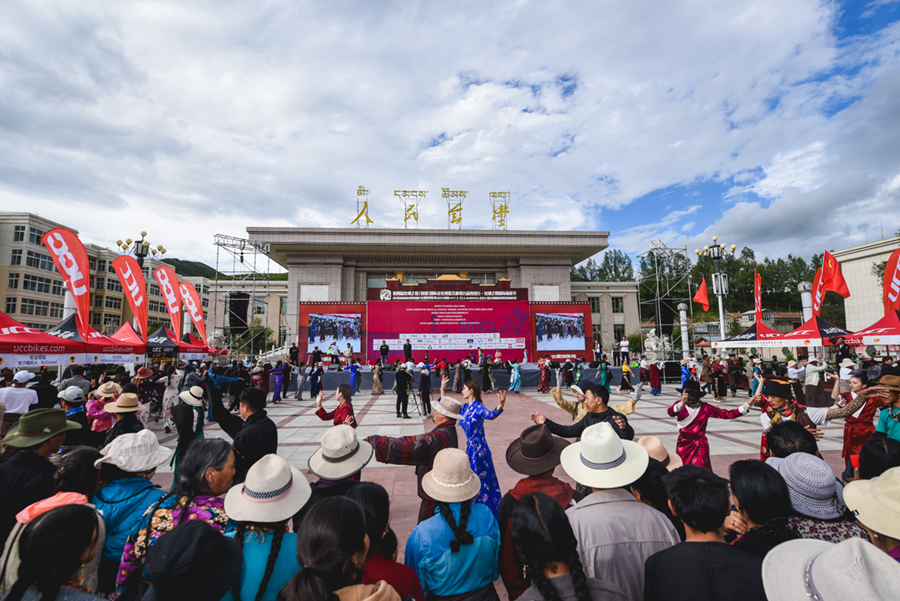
{"points": [[168, 287], [892, 283], [131, 276], [71, 261], [192, 305], [757, 295]]}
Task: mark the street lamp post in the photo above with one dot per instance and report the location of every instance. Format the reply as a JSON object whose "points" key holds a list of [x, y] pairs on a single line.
{"points": [[717, 252], [140, 248]]}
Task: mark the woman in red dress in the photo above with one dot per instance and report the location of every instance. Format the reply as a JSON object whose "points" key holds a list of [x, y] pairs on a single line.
{"points": [[544, 384], [859, 427], [343, 414]]}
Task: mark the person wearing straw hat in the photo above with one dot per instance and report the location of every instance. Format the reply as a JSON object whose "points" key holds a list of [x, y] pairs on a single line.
{"points": [[420, 450], [124, 410], [127, 466], [889, 420], [704, 566], [876, 506], [616, 533], [454, 553], [101, 421], [657, 450], [693, 416], [813, 570], [535, 454], [338, 463], [27, 477], [188, 419], [263, 506]]}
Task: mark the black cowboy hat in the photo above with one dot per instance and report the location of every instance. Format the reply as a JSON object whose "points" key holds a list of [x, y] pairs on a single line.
{"points": [[692, 387], [779, 388], [536, 451]]}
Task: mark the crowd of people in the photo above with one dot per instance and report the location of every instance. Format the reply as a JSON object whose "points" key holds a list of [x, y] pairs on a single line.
{"points": [[82, 518]]}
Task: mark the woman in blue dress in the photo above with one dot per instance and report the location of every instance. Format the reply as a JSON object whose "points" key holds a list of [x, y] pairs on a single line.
{"points": [[354, 375], [685, 372], [474, 413], [515, 382]]}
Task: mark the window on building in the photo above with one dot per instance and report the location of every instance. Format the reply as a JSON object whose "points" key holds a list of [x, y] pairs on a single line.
{"points": [[98, 300], [156, 307], [29, 306], [101, 264], [595, 303], [204, 290], [111, 322], [35, 235], [482, 278], [19, 233], [92, 263], [58, 288], [100, 283], [110, 268], [39, 261], [282, 303], [618, 304], [204, 302], [282, 335], [259, 305], [16, 258], [204, 315], [56, 310], [153, 290], [10, 304], [13, 282], [113, 303], [113, 285], [619, 331], [36, 283], [36, 326], [377, 280], [574, 299], [96, 319]]}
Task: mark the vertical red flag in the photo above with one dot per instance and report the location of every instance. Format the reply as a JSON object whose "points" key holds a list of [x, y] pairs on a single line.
{"points": [[71, 261], [168, 287], [191, 301], [818, 292], [702, 295], [131, 276], [757, 295], [892, 283], [832, 276]]}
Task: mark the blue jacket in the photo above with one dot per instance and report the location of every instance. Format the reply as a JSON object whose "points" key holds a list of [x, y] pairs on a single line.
{"points": [[443, 572], [122, 503]]}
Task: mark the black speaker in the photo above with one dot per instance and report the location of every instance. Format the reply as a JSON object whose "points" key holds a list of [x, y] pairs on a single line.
{"points": [[238, 304]]}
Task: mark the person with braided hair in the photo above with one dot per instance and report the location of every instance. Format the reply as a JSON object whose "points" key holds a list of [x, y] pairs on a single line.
{"points": [[545, 544], [455, 552], [206, 473], [262, 506], [332, 545]]}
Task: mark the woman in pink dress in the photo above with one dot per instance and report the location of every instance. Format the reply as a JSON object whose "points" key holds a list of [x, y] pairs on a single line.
{"points": [[693, 415]]}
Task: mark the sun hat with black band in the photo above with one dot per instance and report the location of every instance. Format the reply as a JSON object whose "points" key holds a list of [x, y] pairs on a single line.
{"points": [[602, 460], [816, 570], [692, 387], [889, 381], [448, 407], [108, 390], [193, 396], [451, 480], [135, 452], [272, 492], [125, 403], [38, 426], [778, 388], [340, 455], [876, 503], [536, 451]]}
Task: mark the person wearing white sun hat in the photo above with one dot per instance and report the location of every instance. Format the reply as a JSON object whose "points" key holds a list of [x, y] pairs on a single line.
{"points": [[876, 506], [263, 505], [455, 552], [616, 533]]}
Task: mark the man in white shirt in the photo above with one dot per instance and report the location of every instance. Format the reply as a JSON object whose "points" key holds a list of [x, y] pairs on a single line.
{"points": [[623, 348], [16, 401]]}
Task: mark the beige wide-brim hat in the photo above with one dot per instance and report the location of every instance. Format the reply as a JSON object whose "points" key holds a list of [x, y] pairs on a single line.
{"points": [[451, 480], [449, 407], [126, 403], [757, 361], [658, 451], [341, 454], [576, 389], [137, 452], [272, 492], [108, 390], [804, 569], [848, 363], [602, 460], [791, 363], [194, 396], [876, 503]]}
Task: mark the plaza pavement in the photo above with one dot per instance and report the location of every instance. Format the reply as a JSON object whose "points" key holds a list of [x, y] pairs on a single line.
{"points": [[300, 431]]}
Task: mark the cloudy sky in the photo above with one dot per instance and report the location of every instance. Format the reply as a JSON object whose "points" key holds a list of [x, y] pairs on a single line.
{"points": [[771, 123]]}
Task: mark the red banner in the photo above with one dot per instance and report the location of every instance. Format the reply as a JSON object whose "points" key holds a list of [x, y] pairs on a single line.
{"points": [[192, 305], [131, 276], [818, 292], [702, 295], [892, 283], [71, 261], [757, 295], [168, 287]]}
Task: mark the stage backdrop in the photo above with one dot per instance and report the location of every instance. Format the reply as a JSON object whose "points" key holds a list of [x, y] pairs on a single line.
{"points": [[562, 331], [449, 329]]}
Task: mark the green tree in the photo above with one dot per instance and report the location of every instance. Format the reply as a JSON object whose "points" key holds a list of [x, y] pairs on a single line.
{"points": [[615, 266]]}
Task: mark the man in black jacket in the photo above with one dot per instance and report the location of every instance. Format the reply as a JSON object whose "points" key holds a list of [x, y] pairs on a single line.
{"points": [[407, 351], [27, 477], [704, 566], [595, 401], [254, 434], [403, 380]]}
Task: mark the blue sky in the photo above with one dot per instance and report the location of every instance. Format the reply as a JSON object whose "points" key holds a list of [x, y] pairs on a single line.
{"points": [[770, 123]]}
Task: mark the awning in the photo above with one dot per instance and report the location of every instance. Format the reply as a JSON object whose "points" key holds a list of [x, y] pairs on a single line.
{"points": [[192, 349], [758, 334], [814, 332], [99, 348], [162, 343], [21, 346], [885, 331]]}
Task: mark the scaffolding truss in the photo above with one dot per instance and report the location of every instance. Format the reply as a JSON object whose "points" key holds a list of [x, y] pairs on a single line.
{"points": [[239, 269], [660, 293]]}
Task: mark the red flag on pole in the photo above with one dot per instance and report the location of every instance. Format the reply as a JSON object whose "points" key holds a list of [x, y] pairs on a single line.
{"points": [[168, 287], [832, 276], [71, 261], [757, 295], [191, 301], [132, 279], [702, 295], [892, 283]]}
